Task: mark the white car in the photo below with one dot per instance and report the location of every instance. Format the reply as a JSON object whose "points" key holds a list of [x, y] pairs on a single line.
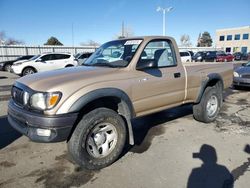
{"points": [[43, 62], [185, 56]]}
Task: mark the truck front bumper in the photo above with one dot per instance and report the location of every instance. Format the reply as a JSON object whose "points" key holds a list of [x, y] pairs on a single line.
{"points": [[40, 127]]}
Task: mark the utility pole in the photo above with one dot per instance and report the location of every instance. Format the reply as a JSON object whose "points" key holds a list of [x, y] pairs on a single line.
{"points": [[123, 34], [72, 32]]}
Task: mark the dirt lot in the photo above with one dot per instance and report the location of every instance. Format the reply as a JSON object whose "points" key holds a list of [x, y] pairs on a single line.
{"points": [[162, 157]]}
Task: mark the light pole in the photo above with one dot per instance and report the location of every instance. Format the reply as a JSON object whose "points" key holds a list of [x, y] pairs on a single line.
{"points": [[164, 11]]}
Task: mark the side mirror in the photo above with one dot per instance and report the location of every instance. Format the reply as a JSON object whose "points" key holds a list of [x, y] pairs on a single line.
{"points": [[145, 64]]}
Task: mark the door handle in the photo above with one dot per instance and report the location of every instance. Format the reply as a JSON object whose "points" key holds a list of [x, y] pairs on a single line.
{"points": [[143, 79], [177, 75]]}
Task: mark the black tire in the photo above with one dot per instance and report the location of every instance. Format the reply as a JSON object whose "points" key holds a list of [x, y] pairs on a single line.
{"points": [[28, 71], [200, 110], [7, 67], [79, 148]]}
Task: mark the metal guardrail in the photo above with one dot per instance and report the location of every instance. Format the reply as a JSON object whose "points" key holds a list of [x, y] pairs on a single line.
{"points": [[9, 52]]}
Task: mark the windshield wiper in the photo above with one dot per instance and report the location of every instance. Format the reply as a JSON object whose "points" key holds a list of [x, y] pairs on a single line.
{"points": [[102, 65]]}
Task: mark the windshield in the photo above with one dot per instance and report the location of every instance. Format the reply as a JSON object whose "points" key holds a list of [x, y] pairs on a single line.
{"points": [[114, 54], [77, 55], [35, 57]]}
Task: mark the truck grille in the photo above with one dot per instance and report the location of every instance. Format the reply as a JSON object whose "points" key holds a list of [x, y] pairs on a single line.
{"points": [[245, 76], [17, 95]]}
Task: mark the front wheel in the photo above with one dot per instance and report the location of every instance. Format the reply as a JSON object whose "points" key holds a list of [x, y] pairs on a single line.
{"points": [[28, 71], [208, 108], [98, 139]]}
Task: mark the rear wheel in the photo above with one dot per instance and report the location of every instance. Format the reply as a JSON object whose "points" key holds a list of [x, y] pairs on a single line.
{"points": [[207, 110], [98, 139], [28, 71]]}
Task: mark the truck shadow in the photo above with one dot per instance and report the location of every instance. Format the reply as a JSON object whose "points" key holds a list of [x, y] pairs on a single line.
{"points": [[148, 127], [7, 133]]}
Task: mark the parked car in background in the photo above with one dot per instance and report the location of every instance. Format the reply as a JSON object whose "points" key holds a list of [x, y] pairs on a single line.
{"points": [[237, 56], [210, 56], [44, 62], [191, 53], [241, 56], [242, 75], [6, 65], [246, 56], [82, 57], [185, 56], [224, 57], [198, 57]]}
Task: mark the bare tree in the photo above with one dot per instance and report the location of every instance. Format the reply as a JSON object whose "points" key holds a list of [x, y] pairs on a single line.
{"points": [[8, 40], [90, 43], [185, 40], [12, 41], [2, 37]]}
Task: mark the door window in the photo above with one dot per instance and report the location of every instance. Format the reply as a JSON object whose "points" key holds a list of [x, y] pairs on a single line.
{"points": [[46, 57], [161, 52], [60, 56]]}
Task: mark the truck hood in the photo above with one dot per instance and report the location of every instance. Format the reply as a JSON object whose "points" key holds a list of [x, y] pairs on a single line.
{"points": [[72, 77]]}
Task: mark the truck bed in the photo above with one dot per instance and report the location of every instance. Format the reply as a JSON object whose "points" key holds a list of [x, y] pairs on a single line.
{"points": [[197, 72]]}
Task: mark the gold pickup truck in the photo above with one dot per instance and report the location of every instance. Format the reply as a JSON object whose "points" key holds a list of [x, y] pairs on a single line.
{"points": [[91, 106]]}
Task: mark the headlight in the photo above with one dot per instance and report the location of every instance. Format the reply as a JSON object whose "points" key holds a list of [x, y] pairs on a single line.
{"points": [[17, 64], [199, 57], [1, 64], [236, 74], [45, 101]]}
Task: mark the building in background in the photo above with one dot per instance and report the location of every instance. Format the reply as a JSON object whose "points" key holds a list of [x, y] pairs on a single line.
{"points": [[233, 39]]}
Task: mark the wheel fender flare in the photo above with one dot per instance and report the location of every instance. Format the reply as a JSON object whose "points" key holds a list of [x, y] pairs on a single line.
{"points": [[205, 83], [125, 107]]}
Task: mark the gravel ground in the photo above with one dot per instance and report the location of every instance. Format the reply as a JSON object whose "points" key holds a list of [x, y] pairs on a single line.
{"points": [[171, 150]]}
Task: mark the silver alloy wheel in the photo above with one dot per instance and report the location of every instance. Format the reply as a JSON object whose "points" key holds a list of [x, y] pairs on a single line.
{"points": [[28, 72], [212, 105], [101, 140]]}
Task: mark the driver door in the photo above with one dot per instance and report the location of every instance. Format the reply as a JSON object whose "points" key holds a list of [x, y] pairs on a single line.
{"points": [[159, 86]]}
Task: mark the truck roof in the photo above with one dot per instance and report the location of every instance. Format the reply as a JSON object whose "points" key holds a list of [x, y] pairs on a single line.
{"points": [[146, 37]]}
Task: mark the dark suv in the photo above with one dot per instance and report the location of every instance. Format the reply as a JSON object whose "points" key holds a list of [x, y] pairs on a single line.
{"points": [[199, 56], [241, 56], [208, 56]]}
